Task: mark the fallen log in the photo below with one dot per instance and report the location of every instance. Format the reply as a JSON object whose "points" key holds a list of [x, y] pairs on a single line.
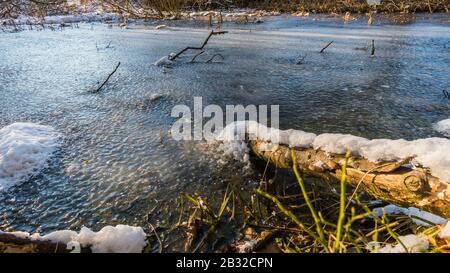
{"points": [[388, 181], [10, 243]]}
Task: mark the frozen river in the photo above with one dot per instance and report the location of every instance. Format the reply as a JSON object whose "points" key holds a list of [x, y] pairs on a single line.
{"points": [[117, 163]]}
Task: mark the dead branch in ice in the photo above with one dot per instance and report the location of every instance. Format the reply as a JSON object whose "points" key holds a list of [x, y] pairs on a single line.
{"points": [[212, 58], [323, 49], [392, 182], [107, 79], [172, 58], [373, 48], [446, 94]]}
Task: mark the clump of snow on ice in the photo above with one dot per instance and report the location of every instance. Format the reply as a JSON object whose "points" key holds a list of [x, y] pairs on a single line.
{"points": [[413, 213], [24, 151], [294, 138], [443, 127], [445, 231], [164, 61], [339, 143], [118, 239], [234, 150], [413, 244]]}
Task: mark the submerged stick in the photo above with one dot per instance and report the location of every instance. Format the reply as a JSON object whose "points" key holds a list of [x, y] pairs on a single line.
{"points": [[387, 181], [200, 47], [302, 59], [323, 49], [212, 58], [196, 55], [107, 79]]}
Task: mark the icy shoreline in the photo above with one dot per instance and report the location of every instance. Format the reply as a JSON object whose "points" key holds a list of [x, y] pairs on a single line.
{"points": [[60, 19], [99, 16]]}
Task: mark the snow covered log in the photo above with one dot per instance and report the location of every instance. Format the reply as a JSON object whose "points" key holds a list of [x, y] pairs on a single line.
{"points": [[392, 182], [10, 243]]}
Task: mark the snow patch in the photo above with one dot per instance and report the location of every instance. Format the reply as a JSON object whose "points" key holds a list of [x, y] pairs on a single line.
{"points": [[247, 246], [413, 244], [443, 127], [412, 213], [445, 231], [24, 150], [118, 239], [165, 61]]}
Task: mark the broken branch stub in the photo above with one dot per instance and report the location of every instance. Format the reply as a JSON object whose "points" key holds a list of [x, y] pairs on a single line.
{"points": [[107, 79], [323, 49], [373, 48], [200, 47], [387, 181]]}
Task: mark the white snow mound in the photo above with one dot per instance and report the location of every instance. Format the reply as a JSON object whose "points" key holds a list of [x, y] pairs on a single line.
{"points": [[413, 213], [443, 127], [24, 151], [413, 244], [118, 239]]}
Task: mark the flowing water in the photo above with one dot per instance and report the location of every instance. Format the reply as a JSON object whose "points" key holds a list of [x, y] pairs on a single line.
{"points": [[118, 164]]}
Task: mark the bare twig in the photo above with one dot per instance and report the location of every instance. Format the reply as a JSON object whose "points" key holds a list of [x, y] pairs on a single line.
{"points": [[446, 94], [107, 79], [201, 47], [157, 238], [323, 49]]}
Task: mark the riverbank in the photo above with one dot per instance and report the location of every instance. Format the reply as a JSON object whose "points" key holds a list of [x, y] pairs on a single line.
{"points": [[239, 11]]}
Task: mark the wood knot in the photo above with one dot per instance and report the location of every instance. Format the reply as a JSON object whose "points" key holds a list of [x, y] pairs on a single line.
{"points": [[414, 183]]}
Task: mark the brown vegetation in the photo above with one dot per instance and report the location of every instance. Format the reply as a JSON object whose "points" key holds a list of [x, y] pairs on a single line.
{"points": [[148, 8]]}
